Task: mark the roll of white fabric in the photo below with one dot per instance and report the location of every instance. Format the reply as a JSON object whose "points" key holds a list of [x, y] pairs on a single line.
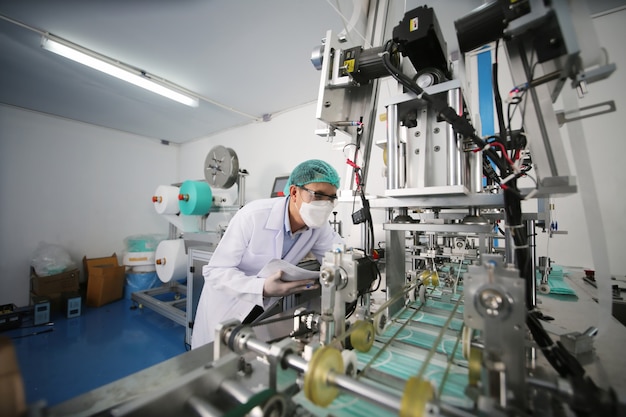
{"points": [[171, 260], [165, 199]]}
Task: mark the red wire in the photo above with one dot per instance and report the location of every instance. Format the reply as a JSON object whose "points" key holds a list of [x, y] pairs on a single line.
{"points": [[502, 148], [352, 164], [356, 168]]}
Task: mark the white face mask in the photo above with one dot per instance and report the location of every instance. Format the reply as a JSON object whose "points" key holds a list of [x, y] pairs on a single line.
{"points": [[315, 214]]}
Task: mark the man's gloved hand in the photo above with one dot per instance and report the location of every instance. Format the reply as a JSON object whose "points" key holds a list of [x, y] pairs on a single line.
{"points": [[274, 286]]}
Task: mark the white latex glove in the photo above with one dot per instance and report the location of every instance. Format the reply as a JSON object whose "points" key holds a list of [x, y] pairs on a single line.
{"points": [[275, 287]]}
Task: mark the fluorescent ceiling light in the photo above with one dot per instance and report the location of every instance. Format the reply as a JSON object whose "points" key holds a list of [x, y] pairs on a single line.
{"points": [[117, 69]]}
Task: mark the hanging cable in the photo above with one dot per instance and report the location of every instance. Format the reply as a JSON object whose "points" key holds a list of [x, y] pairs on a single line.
{"points": [[498, 100], [460, 125]]}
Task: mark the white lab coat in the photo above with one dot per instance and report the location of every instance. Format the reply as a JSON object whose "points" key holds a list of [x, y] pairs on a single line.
{"points": [[254, 237]]}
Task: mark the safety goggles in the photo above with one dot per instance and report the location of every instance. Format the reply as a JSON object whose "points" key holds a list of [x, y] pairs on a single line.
{"points": [[317, 196]]}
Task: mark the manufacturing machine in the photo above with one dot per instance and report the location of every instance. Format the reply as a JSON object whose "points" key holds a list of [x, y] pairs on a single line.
{"points": [[191, 241], [446, 322]]}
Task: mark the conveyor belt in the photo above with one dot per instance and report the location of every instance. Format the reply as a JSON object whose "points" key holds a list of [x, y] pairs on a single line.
{"points": [[416, 334], [345, 405]]}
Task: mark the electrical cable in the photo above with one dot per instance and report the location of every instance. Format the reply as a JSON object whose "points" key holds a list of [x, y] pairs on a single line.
{"points": [[563, 362], [360, 189], [587, 399], [48, 330], [560, 359], [460, 125], [351, 310], [498, 100], [379, 280]]}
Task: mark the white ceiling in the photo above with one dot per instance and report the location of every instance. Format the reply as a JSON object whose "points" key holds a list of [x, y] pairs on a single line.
{"points": [[246, 58]]}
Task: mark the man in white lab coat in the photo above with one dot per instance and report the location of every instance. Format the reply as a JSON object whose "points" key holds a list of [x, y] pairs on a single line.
{"points": [[287, 228]]}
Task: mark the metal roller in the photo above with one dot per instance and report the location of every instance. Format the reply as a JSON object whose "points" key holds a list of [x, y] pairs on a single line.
{"points": [[221, 167]]}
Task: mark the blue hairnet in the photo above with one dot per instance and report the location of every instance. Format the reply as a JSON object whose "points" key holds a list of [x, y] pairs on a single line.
{"points": [[313, 170]]}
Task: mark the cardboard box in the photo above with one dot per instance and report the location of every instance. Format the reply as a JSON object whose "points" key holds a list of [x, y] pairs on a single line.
{"points": [[105, 280], [54, 284], [90, 263]]}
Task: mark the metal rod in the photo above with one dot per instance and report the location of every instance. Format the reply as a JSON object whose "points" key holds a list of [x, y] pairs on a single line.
{"points": [[541, 125], [365, 391], [542, 80], [476, 171], [509, 245], [532, 287], [297, 363], [393, 148], [454, 156], [341, 381], [258, 346]]}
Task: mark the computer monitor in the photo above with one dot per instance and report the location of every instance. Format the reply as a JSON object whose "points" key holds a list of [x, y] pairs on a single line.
{"points": [[278, 189]]}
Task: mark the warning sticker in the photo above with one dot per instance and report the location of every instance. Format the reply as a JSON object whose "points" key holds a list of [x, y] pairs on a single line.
{"points": [[349, 64], [413, 24]]}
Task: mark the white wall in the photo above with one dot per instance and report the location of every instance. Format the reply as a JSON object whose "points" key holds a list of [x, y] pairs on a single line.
{"points": [[83, 187], [267, 150]]}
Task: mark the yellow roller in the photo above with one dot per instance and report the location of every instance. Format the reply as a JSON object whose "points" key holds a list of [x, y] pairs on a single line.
{"points": [[434, 278], [429, 277], [316, 388], [475, 365], [417, 393], [466, 341], [362, 337], [424, 275]]}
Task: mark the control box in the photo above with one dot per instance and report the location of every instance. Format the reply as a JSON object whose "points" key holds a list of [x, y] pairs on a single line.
{"points": [[73, 304], [41, 310]]}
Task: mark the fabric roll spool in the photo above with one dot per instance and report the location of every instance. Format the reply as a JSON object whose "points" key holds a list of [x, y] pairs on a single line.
{"points": [[223, 198], [165, 199], [195, 198], [171, 260]]}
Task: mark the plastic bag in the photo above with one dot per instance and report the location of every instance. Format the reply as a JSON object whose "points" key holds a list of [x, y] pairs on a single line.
{"points": [[140, 281], [51, 259], [143, 243]]}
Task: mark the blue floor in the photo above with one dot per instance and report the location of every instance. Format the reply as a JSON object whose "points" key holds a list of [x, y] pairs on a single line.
{"points": [[73, 356]]}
